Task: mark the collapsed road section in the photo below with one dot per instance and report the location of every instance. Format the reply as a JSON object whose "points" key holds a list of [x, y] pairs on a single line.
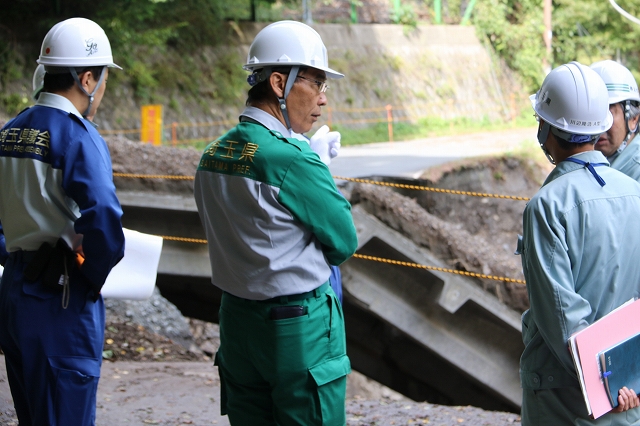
{"points": [[430, 335]]}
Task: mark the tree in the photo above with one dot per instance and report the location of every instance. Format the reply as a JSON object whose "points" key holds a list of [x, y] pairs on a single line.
{"points": [[586, 31]]}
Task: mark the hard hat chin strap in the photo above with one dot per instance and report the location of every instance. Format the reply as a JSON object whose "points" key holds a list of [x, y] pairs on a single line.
{"points": [[90, 95], [293, 74]]}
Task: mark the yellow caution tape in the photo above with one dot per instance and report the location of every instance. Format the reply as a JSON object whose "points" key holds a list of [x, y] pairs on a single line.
{"points": [[436, 268], [141, 176], [427, 188], [390, 261]]}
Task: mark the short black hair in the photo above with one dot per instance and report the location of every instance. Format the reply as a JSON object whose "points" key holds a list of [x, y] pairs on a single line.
{"points": [[259, 93], [568, 146], [63, 82]]}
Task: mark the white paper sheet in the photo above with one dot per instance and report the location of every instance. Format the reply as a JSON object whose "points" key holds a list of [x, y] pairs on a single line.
{"points": [[134, 277]]}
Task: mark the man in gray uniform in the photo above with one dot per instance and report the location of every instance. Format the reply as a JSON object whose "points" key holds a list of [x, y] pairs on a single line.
{"points": [[617, 143], [578, 258]]}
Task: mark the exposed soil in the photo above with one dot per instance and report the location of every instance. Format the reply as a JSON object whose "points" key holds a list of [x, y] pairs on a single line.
{"points": [[125, 341], [470, 233]]}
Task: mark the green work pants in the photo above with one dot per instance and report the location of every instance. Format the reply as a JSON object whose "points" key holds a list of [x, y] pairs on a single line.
{"points": [[283, 372]]}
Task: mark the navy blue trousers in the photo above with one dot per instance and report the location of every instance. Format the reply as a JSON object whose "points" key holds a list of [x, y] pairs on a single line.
{"points": [[335, 281], [53, 355]]}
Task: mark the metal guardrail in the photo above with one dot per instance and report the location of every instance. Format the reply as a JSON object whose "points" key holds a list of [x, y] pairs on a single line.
{"points": [[185, 132]]}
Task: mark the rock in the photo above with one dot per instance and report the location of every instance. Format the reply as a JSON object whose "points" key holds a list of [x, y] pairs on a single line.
{"points": [[156, 314]]}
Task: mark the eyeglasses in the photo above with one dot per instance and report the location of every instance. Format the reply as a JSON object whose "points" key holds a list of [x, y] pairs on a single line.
{"points": [[322, 85]]}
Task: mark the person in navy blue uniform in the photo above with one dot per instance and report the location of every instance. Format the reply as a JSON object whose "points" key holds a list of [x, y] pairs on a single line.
{"points": [[60, 233]]}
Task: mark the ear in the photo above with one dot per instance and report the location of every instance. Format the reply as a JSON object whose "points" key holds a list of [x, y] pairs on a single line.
{"points": [[85, 78], [633, 124], [278, 82]]}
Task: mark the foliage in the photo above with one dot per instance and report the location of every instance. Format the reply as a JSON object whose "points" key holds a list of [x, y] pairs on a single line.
{"points": [[593, 30], [10, 60], [514, 29], [586, 31], [14, 103], [140, 31], [404, 15], [144, 33]]}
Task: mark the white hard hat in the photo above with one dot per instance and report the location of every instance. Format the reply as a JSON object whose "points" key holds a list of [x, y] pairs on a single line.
{"points": [[574, 99], [619, 80], [38, 81], [78, 43], [289, 43]]}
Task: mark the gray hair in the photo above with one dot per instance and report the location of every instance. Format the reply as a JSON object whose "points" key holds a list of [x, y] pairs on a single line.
{"points": [[634, 109]]}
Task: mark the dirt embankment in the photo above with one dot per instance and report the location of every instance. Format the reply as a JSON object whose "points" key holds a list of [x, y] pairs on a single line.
{"points": [[475, 230]]}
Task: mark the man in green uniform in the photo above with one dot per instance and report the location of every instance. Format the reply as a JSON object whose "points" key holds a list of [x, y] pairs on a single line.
{"points": [[274, 222]]}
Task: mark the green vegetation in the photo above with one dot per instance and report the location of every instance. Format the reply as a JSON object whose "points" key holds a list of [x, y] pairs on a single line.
{"points": [[145, 33], [428, 127], [585, 30], [14, 103], [404, 14]]}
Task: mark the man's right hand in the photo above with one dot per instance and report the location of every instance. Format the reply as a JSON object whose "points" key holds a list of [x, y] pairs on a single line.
{"points": [[325, 143]]}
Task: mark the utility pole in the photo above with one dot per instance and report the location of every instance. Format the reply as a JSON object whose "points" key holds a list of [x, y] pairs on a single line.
{"points": [[306, 12], [548, 34]]}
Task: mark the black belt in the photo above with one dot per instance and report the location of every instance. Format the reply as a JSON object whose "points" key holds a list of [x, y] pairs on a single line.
{"points": [[293, 297]]}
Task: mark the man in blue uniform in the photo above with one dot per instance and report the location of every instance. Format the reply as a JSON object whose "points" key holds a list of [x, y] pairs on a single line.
{"points": [[62, 234], [275, 222], [579, 251]]}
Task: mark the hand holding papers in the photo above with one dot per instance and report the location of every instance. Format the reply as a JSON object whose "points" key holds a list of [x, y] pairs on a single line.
{"points": [[620, 367], [587, 344]]}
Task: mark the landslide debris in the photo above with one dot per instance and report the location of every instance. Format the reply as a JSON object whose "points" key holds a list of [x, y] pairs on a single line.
{"points": [[468, 232]]}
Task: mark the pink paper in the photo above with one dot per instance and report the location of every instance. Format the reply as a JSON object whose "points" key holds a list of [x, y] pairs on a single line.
{"points": [[601, 335]]}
